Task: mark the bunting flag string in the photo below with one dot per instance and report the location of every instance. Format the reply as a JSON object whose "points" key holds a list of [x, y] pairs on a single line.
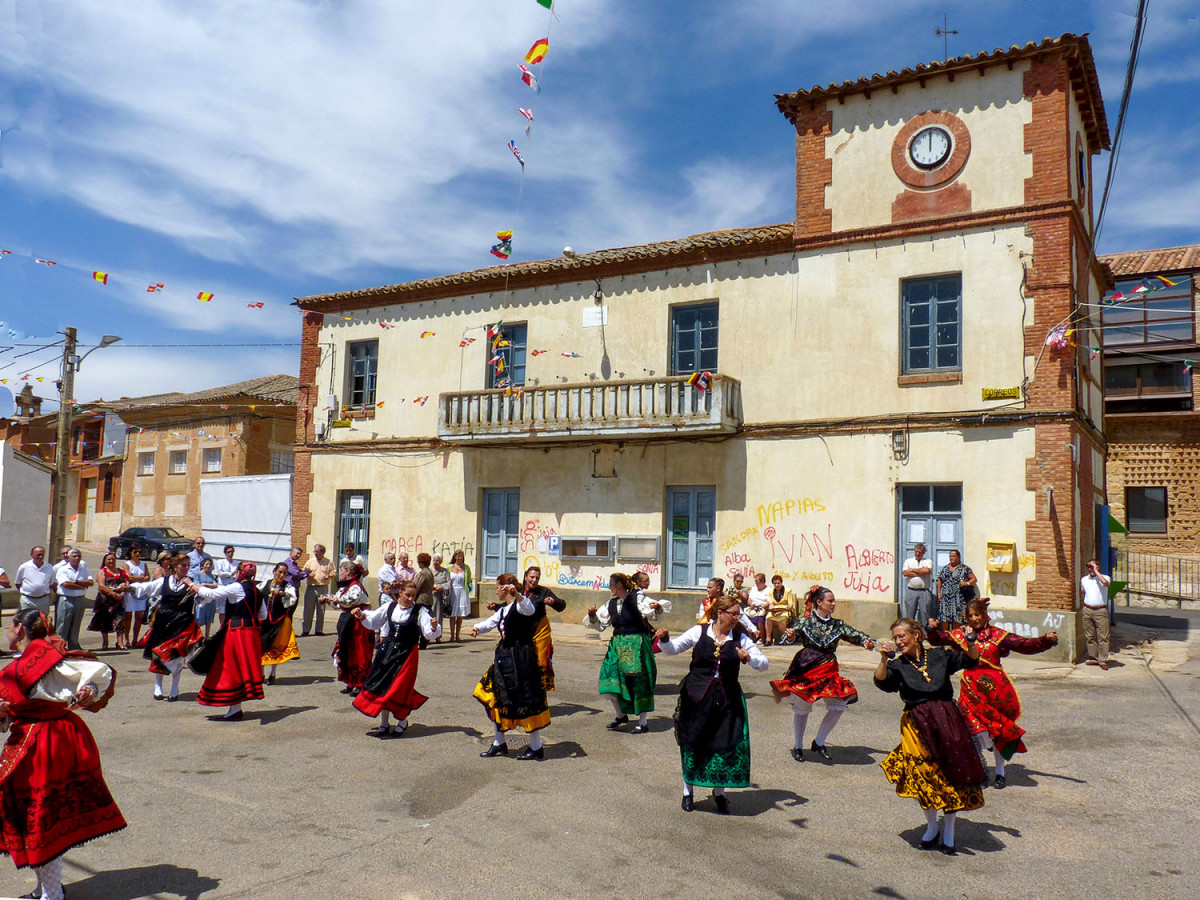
{"points": [[258, 305], [701, 381], [428, 334]]}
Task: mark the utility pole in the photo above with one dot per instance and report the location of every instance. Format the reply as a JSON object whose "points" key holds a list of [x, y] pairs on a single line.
{"points": [[62, 449]]}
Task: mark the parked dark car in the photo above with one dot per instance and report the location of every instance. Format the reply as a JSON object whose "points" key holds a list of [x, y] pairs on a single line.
{"points": [[153, 541]]}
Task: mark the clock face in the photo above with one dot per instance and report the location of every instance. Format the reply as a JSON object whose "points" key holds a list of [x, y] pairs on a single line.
{"points": [[930, 147]]}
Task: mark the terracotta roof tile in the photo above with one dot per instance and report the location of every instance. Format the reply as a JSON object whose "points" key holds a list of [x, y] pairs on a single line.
{"points": [[1087, 83], [1146, 262], [733, 243], [269, 388]]}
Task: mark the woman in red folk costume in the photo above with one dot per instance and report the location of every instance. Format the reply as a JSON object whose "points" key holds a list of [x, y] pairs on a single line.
{"points": [[987, 697], [52, 792], [813, 674], [174, 631], [390, 688], [355, 643], [234, 663]]}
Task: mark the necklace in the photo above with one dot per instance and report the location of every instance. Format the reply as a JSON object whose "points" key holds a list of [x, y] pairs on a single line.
{"points": [[923, 669]]}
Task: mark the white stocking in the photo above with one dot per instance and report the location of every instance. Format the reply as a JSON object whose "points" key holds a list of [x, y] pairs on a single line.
{"points": [[157, 684], [718, 791], [930, 824], [385, 718], [642, 719], [175, 683], [799, 723], [535, 742], [498, 739], [832, 714], [616, 704], [687, 789], [999, 761], [233, 710], [50, 879], [948, 821]]}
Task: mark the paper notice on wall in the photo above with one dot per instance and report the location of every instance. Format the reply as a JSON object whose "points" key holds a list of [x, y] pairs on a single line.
{"points": [[543, 545], [916, 532], [946, 532], [356, 502], [595, 316]]}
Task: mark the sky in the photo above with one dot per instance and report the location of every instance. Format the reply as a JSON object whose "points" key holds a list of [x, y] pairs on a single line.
{"points": [[282, 148]]}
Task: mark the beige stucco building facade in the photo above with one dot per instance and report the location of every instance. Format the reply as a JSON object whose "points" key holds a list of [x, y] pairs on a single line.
{"points": [[880, 371]]}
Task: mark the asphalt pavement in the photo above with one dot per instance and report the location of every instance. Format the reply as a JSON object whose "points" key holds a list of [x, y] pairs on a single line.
{"points": [[297, 801]]}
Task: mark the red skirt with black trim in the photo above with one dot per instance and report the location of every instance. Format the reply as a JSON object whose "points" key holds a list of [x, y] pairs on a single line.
{"points": [[401, 696], [174, 648], [52, 792], [353, 651], [236, 674], [821, 682]]}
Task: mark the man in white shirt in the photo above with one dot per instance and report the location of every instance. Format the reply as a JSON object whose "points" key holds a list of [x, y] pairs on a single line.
{"points": [[35, 581], [73, 581], [386, 576], [350, 555], [4, 582], [917, 602], [1095, 614], [63, 553]]}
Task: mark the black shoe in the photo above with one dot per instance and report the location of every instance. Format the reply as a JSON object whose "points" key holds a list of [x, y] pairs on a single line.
{"points": [[931, 844], [160, 697], [618, 722], [1001, 783], [172, 698], [821, 749], [528, 753], [33, 895], [797, 754], [948, 850], [236, 717], [354, 692], [722, 804], [346, 689], [687, 805], [320, 634], [304, 634], [640, 729], [495, 750], [380, 731]]}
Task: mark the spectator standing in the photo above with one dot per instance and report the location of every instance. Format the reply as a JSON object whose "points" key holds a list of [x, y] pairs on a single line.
{"points": [[4, 582], [918, 599], [955, 586], [109, 608], [387, 576], [352, 556], [136, 572], [441, 592], [320, 571], [405, 572], [424, 581], [196, 556], [225, 569], [206, 612], [63, 553], [460, 594], [295, 574], [35, 579], [73, 581], [1095, 614]]}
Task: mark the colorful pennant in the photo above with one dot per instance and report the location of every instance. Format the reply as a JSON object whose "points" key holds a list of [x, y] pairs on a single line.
{"points": [[155, 288], [571, 355], [466, 342], [428, 334], [537, 352], [538, 51], [528, 77], [258, 305], [45, 262], [701, 381], [101, 277], [512, 146], [204, 296]]}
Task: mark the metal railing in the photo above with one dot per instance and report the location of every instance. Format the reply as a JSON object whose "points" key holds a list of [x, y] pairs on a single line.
{"points": [[1172, 578], [636, 406]]}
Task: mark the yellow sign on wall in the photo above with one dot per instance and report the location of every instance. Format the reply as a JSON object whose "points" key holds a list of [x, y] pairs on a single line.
{"points": [[1008, 393], [1001, 557]]}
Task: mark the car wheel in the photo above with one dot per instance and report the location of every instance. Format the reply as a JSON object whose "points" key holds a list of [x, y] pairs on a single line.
{"points": [[117, 551]]}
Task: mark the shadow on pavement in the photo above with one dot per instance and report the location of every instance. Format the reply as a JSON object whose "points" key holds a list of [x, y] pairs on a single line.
{"points": [[282, 680], [756, 801], [417, 730], [149, 881], [274, 715], [564, 750], [1018, 776], [846, 756], [560, 710], [970, 836]]}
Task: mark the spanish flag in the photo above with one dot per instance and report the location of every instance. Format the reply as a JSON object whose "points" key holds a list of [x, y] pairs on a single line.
{"points": [[538, 51], [204, 296], [101, 277], [504, 236], [427, 334], [1167, 281]]}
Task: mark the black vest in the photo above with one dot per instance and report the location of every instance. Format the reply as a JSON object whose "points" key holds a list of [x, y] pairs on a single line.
{"points": [[625, 616]]}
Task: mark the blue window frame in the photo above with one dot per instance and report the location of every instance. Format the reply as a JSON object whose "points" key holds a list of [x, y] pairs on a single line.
{"points": [[363, 364], [501, 521], [931, 324], [513, 354], [694, 335]]}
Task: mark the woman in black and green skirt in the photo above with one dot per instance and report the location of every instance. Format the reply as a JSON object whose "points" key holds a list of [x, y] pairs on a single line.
{"points": [[628, 673], [711, 725]]}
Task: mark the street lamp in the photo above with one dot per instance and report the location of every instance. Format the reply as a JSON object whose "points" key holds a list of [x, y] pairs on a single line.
{"points": [[62, 449]]}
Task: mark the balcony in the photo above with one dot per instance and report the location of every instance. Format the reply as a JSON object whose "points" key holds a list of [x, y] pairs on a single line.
{"points": [[594, 410]]}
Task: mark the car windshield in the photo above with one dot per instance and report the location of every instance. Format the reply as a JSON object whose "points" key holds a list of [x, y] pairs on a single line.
{"points": [[163, 533]]}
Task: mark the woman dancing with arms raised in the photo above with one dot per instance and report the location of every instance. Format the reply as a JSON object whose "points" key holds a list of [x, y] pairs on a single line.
{"points": [[986, 696], [711, 725], [935, 762]]}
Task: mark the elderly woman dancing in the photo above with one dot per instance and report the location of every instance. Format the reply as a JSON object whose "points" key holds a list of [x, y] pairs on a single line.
{"points": [[936, 762]]}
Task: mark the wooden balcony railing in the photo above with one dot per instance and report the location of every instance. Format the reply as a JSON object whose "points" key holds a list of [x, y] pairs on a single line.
{"points": [[598, 409]]}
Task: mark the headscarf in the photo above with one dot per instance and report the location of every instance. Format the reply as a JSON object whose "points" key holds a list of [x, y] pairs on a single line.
{"points": [[247, 571]]}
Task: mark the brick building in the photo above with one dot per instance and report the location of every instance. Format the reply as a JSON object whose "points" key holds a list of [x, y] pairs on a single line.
{"points": [[880, 373], [176, 440], [1152, 419]]}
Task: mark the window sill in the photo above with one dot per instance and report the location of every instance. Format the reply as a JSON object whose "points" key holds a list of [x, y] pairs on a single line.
{"points": [[930, 378], [366, 412]]}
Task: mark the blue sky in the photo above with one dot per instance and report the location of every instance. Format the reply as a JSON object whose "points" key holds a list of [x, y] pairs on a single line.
{"points": [[268, 150]]}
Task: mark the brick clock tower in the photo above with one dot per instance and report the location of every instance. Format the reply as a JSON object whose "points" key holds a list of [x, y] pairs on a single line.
{"points": [[995, 144]]}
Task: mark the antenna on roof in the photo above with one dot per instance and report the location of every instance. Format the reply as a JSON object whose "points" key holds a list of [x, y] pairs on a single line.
{"points": [[943, 31]]}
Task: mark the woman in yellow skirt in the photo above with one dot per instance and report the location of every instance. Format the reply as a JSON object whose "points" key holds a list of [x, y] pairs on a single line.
{"points": [[278, 638], [936, 762]]}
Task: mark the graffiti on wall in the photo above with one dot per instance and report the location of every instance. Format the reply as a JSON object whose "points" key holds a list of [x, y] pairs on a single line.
{"points": [[534, 535], [414, 544], [771, 512]]}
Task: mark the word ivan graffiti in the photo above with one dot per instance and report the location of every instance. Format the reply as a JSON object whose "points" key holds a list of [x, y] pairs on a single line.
{"points": [[398, 545], [534, 531], [737, 539], [769, 513], [785, 549]]}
